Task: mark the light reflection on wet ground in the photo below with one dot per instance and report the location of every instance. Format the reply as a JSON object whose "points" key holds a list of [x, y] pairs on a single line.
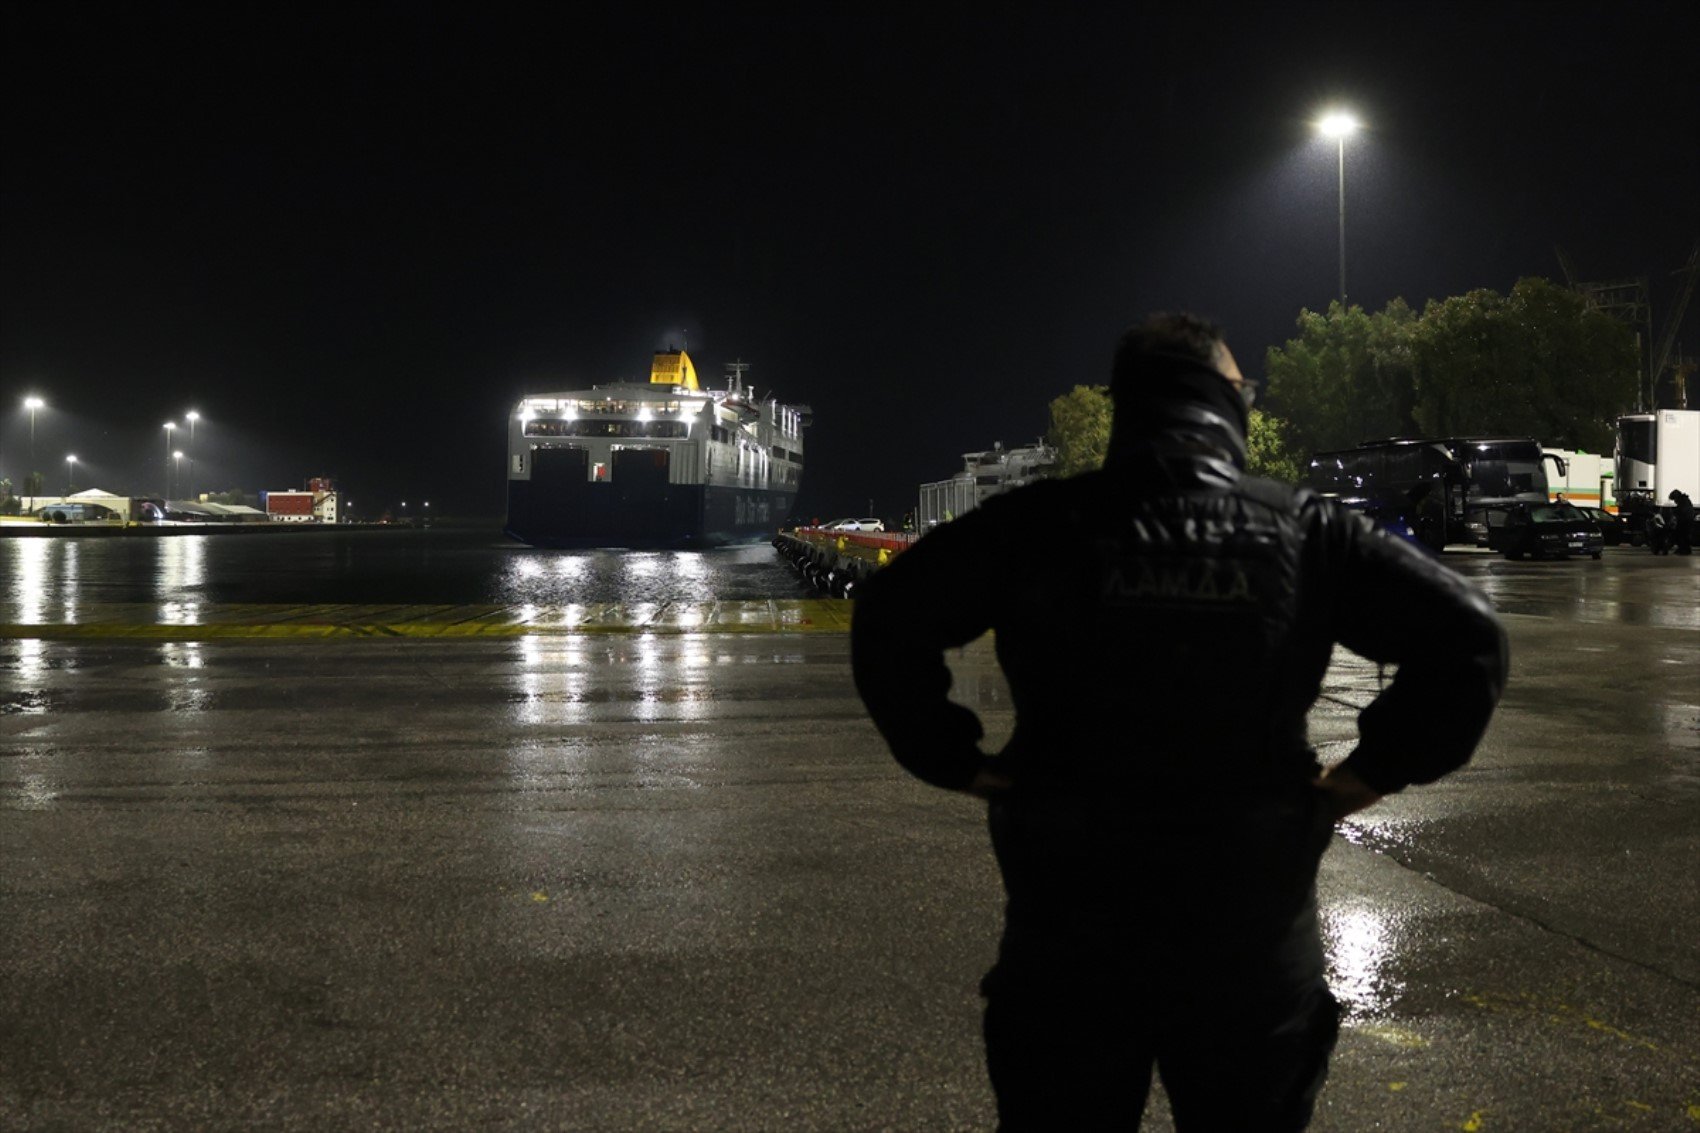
{"points": [[665, 850], [1362, 939], [1628, 586]]}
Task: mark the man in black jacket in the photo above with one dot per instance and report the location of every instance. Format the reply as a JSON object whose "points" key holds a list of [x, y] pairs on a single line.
{"points": [[1683, 528], [1158, 815]]}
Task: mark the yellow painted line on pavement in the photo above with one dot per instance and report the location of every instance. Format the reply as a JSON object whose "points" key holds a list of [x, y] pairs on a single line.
{"points": [[197, 621]]}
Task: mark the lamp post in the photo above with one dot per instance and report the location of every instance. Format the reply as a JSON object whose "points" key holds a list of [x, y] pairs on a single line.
{"points": [[169, 427], [70, 475], [177, 468], [191, 417], [32, 404], [1338, 124]]}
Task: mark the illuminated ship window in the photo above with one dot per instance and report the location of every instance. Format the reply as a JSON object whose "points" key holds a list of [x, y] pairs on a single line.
{"points": [[599, 428]]}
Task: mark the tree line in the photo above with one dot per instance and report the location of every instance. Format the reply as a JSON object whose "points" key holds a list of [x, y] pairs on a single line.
{"points": [[1537, 362]]}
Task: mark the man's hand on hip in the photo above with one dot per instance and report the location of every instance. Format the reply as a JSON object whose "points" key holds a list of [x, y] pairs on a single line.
{"points": [[1345, 793], [987, 783]]}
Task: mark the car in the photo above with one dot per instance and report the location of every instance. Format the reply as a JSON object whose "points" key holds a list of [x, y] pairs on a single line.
{"points": [[1616, 530], [1540, 530], [854, 525]]}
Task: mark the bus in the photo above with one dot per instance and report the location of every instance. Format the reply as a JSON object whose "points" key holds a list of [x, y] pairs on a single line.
{"points": [[1445, 489]]}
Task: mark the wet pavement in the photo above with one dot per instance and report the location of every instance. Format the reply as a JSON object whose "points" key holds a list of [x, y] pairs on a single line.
{"points": [[663, 876]]}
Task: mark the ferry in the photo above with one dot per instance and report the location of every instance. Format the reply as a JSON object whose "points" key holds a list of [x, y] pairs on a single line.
{"points": [[662, 463]]}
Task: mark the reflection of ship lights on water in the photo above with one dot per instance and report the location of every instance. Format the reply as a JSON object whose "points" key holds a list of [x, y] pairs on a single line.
{"points": [[1360, 939], [29, 589], [183, 571]]}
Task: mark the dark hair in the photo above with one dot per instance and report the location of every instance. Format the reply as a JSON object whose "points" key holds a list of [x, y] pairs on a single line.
{"points": [[1160, 343]]}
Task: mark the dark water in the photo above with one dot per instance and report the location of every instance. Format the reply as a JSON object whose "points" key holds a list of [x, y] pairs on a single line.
{"points": [[440, 565]]}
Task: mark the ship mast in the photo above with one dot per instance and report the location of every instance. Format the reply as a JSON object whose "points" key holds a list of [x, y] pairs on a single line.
{"points": [[735, 376]]}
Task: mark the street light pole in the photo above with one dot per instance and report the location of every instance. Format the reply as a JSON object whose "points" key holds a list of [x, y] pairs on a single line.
{"points": [[191, 417], [70, 475], [31, 404], [169, 426], [1337, 125], [1342, 147], [177, 468]]}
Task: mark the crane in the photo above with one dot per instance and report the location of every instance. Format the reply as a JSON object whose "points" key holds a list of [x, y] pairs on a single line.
{"points": [[1673, 321]]}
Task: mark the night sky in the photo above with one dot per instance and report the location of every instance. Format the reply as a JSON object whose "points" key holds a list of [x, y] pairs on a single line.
{"points": [[351, 235]]}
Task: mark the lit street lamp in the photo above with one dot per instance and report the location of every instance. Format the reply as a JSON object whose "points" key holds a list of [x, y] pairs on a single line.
{"points": [[169, 426], [70, 474], [191, 417], [32, 404], [1338, 124], [177, 467]]}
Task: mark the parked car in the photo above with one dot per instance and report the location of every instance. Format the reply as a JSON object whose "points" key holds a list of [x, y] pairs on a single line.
{"points": [[1616, 530], [855, 525], [1539, 530]]}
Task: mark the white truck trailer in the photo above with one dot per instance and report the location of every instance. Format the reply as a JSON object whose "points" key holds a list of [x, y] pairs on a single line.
{"points": [[1657, 453], [1586, 480]]}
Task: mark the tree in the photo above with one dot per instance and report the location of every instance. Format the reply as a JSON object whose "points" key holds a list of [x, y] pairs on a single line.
{"points": [[1080, 429], [9, 504], [1538, 362], [1346, 378], [1080, 432], [32, 485], [1267, 451]]}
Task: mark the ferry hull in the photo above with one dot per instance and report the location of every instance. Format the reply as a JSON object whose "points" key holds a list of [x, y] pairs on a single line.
{"points": [[601, 514]]}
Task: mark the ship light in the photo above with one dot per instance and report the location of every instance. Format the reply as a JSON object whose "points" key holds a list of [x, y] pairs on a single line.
{"points": [[643, 414]]}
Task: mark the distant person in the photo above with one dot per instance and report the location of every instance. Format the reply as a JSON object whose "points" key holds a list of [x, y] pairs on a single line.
{"points": [[1658, 532], [1158, 814], [1683, 528]]}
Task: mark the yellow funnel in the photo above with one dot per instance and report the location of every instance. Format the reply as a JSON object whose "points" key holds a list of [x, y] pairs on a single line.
{"points": [[673, 368]]}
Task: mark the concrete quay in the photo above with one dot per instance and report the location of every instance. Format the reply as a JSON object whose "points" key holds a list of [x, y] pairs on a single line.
{"points": [[625, 874]]}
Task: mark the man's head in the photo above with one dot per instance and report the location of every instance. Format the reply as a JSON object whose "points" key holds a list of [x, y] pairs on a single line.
{"points": [[1166, 347]]}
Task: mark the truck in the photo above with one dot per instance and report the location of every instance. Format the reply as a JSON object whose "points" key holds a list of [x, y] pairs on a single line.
{"points": [[1657, 453]]}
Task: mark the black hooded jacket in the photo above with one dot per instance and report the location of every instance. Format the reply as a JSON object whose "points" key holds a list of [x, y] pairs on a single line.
{"points": [[1165, 624]]}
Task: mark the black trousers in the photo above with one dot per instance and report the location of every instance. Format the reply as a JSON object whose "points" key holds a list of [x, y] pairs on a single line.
{"points": [[1137, 943], [1067, 1062]]}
